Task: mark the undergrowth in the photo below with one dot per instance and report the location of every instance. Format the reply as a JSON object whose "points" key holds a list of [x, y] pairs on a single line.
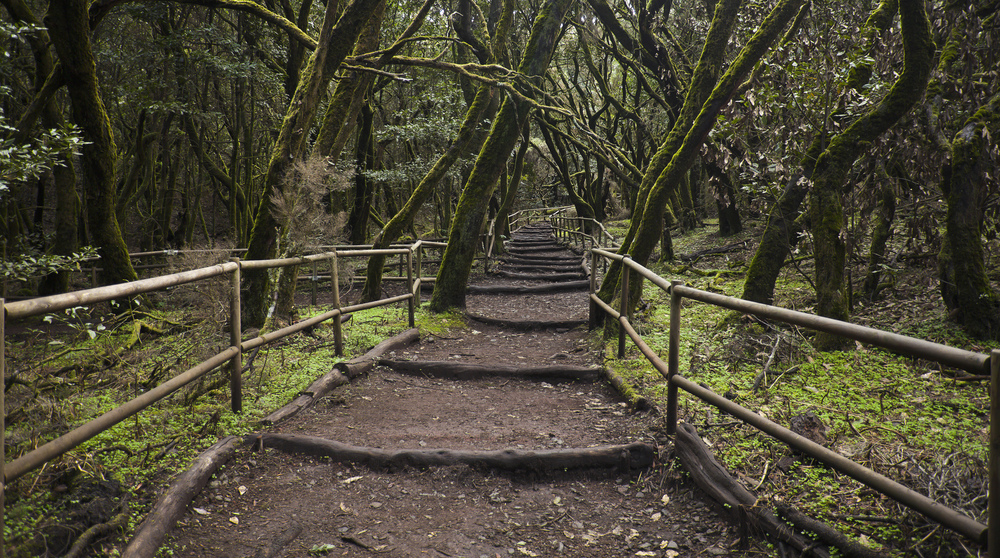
{"points": [[913, 421]]}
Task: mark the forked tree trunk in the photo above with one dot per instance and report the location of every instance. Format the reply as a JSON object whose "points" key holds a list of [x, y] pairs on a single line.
{"points": [[706, 74], [402, 219], [651, 225], [833, 165]]}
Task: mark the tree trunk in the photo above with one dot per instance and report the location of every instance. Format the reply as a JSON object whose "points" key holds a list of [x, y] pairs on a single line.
{"points": [[342, 112], [364, 189], [334, 45], [833, 165], [467, 224], [885, 212], [69, 27], [965, 285]]}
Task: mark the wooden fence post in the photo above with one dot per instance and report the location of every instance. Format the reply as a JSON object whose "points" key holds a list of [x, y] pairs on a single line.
{"points": [[673, 359], [623, 307], [315, 280], [993, 505], [414, 299], [338, 331], [592, 313], [235, 339]]}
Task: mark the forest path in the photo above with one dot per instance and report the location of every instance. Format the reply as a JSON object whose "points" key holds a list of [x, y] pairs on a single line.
{"points": [[274, 504]]}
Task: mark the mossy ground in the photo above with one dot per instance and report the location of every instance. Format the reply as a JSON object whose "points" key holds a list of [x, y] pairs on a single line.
{"points": [[907, 419]]}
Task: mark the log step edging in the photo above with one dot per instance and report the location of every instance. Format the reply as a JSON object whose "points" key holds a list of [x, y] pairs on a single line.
{"points": [[635, 455], [467, 371], [527, 325]]}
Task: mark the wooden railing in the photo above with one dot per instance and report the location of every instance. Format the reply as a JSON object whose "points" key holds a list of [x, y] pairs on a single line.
{"points": [[974, 362], [412, 255]]}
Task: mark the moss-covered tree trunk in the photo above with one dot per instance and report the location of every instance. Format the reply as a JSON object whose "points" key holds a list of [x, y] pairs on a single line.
{"points": [[345, 106], [335, 42], [834, 164], [781, 232], [467, 223], [69, 28], [885, 213], [63, 173], [965, 286]]}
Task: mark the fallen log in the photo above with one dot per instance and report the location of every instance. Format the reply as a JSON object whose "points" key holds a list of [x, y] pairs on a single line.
{"points": [[636, 455], [538, 276], [638, 402], [713, 478], [316, 391], [515, 289], [527, 325], [827, 534], [171, 506], [466, 371], [362, 364]]}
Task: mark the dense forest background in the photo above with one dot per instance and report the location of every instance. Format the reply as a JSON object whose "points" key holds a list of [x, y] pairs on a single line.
{"points": [[858, 130]]}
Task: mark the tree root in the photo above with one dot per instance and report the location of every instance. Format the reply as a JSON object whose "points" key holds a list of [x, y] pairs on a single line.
{"points": [[101, 529]]}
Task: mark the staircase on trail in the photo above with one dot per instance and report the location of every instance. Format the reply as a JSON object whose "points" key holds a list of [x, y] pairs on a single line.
{"points": [[497, 439]]}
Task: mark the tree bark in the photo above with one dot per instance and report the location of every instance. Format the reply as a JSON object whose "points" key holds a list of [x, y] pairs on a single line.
{"points": [[69, 28], [467, 224], [885, 213]]}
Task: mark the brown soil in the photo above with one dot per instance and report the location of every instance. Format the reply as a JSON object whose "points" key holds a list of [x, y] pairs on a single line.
{"points": [[273, 504]]}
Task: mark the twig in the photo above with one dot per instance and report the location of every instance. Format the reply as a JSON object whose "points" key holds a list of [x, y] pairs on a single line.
{"points": [[763, 373]]}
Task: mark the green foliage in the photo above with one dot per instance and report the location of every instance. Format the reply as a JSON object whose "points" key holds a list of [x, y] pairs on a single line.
{"points": [[34, 265], [24, 161]]}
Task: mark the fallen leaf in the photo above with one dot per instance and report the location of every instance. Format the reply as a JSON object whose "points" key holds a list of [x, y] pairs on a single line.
{"points": [[350, 480], [242, 490], [234, 520], [656, 516], [200, 511], [672, 554], [665, 499]]}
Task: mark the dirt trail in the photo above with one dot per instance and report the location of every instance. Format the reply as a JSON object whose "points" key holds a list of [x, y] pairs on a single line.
{"points": [[271, 504]]}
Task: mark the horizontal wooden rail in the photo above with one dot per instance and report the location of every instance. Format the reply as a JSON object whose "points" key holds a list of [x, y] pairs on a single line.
{"points": [[951, 356]]}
